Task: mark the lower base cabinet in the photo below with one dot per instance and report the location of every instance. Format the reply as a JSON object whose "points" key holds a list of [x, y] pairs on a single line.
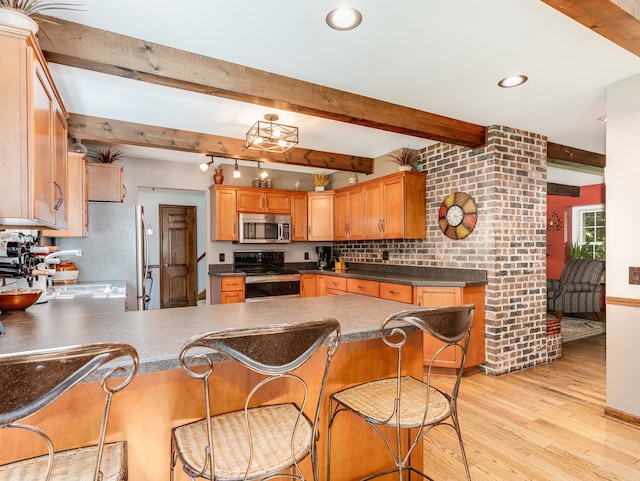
{"points": [[454, 296], [328, 285], [227, 290]]}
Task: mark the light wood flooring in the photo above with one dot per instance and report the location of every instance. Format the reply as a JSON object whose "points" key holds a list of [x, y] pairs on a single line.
{"points": [[542, 424]]}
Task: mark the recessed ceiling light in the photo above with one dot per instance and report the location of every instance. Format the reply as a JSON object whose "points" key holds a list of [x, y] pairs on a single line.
{"points": [[512, 81], [344, 18]]}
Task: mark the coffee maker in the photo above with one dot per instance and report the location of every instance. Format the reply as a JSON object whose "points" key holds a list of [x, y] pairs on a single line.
{"points": [[324, 257]]}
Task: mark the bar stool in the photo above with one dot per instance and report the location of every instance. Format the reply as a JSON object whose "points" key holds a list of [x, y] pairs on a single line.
{"points": [[266, 436], [33, 380], [404, 403]]}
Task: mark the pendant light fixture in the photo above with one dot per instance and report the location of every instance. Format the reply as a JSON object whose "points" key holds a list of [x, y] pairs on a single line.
{"points": [[271, 137], [236, 172], [205, 165], [261, 172], [79, 147]]}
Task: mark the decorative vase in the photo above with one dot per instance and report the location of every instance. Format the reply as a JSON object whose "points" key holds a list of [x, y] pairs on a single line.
{"points": [[15, 18], [405, 168], [319, 187], [353, 180], [218, 178]]}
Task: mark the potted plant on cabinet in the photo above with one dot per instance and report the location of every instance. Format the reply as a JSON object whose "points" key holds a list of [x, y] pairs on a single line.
{"points": [[405, 157], [18, 13], [321, 180]]}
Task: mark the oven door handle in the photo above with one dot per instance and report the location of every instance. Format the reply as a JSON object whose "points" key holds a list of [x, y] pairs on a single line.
{"points": [[272, 278]]}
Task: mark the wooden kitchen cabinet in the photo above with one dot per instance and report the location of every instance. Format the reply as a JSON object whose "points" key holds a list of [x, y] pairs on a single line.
{"points": [[336, 286], [396, 292], [299, 216], [76, 199], [267, 201], [451, 296], [349, 214], [224, 217], [308, 286], [320, 216], [227, 290], [106, 182], [364, 287], [394, 207], [33, 136]]}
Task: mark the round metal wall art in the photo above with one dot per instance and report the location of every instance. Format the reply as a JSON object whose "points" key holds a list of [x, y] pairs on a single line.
{"points": [[458, 215]]}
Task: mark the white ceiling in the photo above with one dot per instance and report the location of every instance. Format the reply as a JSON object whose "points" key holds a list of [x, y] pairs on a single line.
{"points": [[444, 57]]}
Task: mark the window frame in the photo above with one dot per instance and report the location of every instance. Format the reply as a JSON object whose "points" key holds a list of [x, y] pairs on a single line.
{"points": [[577, 227]]}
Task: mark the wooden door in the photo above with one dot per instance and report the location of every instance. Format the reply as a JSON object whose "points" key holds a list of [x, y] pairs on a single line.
{"points": [[177, 256], [320, 216], [277, 202], [60, 162], [356, 214], [250, 200], [308, 285], [224, 215], [43, 132], [341, 216]]}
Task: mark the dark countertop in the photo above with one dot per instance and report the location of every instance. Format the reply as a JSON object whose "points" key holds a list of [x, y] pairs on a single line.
{"points": [[158, 335], [409, 275]]}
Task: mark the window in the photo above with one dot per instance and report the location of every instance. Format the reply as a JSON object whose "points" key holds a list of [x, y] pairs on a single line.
{"points": [[589, 230]]}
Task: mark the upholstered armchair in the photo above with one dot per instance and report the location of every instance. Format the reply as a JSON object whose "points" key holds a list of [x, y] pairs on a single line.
{"points": [[578, 289]]}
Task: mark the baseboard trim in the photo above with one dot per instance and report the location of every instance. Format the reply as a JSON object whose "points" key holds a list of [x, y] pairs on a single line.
{"points": [[622, 416]]}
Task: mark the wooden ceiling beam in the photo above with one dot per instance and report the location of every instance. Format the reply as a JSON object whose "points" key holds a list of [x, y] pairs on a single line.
{"points": [[564, 190], [576, 156], [89, 48], [605, 18], [116, 131]]}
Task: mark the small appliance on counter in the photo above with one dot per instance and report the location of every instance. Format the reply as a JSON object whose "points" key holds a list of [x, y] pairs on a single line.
{"points": [[324, 257]]}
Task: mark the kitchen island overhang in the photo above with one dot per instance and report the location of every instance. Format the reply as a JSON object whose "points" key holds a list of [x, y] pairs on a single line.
{"points": [[145, 412]]}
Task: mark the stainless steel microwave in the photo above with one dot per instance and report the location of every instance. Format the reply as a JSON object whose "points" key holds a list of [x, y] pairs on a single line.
{"points": [[264, 228]]}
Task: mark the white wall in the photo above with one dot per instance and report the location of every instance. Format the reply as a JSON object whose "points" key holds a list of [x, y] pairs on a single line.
{"points": [[623, 248]]}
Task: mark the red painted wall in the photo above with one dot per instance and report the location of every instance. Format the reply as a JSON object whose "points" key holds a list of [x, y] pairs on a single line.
{"points": [[559, 225]]}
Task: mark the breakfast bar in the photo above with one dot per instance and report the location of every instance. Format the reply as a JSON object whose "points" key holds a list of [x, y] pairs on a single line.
{"points": [[145, 412]]}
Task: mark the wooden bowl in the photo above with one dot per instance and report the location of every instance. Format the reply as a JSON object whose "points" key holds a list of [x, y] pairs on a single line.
{"points": [[18, 299]]}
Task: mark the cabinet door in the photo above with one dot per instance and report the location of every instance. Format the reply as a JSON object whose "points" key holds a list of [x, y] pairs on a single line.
{"points": [[106, 182], [75, 198], [299, 216], [308, 285], [436, 297], [231, 297], [341, 216], [320, 216], [277, 203], [60, 167], [356, 214], [250, 201], [373, 211], [321, 285], [393, 208], [225, 217], [43, 101]]}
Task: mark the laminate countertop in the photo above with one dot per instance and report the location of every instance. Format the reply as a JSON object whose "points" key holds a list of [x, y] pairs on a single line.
{"points": [[158, 335]]}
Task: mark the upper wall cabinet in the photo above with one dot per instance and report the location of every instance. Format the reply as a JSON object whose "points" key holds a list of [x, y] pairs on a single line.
{"points": [[256, 200], [224, 216], [106, 182], [33, 136]]}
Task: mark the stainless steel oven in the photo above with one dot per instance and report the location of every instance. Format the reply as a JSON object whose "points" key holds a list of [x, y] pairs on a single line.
{"points": [[266, 276]]}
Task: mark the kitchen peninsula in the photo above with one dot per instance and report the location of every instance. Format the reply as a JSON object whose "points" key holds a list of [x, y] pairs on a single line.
{"points": [[144, 413]]}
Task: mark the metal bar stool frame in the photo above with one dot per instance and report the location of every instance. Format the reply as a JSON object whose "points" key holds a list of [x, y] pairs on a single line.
{"points": [[273, 352], [428, 406], [32, 380]]}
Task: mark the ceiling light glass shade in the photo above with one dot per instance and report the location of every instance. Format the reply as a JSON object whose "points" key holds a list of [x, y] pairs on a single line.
{"points": [[205, 166], [236, 172], [344, 18], [79, 147], [512, 81], [262, 173], [271, 137]]}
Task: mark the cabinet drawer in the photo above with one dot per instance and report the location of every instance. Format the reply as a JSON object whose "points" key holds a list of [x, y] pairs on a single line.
{"points": [[367, 288], [335, 292], [336, 283], [231, 284], [396, 292]]}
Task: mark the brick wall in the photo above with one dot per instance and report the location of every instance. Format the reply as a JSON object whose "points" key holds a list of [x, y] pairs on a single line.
{"points": [[507, 179]]}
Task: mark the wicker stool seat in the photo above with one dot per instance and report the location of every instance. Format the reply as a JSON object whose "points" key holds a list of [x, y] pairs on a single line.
{"points": [[411, 408], [79, 463], [375, 401], [271, 428], [33, 380], [268, 437]]}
